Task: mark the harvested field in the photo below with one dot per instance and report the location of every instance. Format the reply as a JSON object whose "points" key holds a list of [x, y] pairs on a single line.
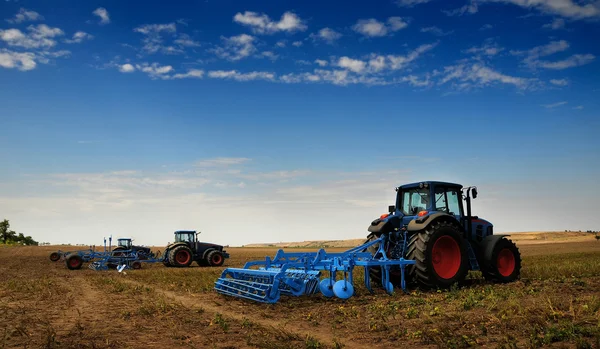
{"points": [[45, 305]]}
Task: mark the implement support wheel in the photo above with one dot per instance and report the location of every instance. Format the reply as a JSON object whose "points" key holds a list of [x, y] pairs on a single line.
{"points": [[74, 262], [54, 256]]}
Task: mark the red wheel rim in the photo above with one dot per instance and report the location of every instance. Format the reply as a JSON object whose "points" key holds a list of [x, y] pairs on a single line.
{"points": [[506, 262], [446, 257], [217, 259], [74, 262], [183, 257]]}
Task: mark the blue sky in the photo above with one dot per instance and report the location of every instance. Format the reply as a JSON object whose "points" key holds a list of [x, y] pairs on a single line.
{"points": [[285, 121]]}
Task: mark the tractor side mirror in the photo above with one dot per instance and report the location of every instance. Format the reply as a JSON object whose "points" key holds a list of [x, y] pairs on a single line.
{"points": [[474, 193], [392, 208]]}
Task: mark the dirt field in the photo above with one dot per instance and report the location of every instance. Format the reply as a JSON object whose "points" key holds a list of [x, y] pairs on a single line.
{"points": [[45, 305]]}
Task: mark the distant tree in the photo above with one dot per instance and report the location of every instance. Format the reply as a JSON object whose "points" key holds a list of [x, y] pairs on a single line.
{"points": [[10, 237]]}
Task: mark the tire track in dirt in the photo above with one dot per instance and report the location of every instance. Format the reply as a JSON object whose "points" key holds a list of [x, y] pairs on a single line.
{"points": [[208, 303]]}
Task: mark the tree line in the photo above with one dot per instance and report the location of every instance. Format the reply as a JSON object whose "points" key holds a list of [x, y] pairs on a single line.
{"points": [[10, 237]]}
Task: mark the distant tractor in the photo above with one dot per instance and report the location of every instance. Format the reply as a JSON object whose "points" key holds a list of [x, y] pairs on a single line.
{"points": [[428, 224], [126, 244], [187, 249]]}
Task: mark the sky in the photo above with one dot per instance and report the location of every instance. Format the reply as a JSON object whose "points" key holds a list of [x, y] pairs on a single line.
{"points": [[262, 121]]}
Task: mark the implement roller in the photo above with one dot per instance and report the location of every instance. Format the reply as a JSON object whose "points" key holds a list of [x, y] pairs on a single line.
{"points": [[299, 273]]}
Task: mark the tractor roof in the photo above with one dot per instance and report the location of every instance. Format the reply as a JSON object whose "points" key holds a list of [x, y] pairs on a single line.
{"points": [[431, 183], [124, 239], [185, 232]]}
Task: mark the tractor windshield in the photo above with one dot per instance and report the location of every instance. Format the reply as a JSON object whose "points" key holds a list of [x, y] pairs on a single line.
{"points": [[414, 201], [124, 243], [184, 237]]}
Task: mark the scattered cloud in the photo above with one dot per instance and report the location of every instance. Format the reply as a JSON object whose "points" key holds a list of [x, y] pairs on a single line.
{"points": [[236, 47], [235, 75], [466, 76], [155, 70], [533, 56], [374, 28], [297, 43], [154, 38], [221, 162], [564, 8], [554, 105], [410, 3], [321, 62], [40, 36], [191, 74], [326, 34], [486, 27], [126, 68], [262, 24], [435, 31], [559, 82], [281, 43], [557, 23], [354, 65], [470, 8], [25, 15], [79, 37], [489, 48], [102, 14], [17, 60], [186, 41], [579, 107]]}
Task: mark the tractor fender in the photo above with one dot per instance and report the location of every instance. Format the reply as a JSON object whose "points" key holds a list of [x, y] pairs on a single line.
{"points": [[380, 226], [488, 243], [172, 246], [421, 223]]}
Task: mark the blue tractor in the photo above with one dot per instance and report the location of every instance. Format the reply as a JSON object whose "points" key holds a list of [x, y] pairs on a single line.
{"points": [[430, 225]]}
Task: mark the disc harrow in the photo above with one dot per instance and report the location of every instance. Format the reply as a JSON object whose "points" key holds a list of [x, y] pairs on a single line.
{"points": [[299, 273]]}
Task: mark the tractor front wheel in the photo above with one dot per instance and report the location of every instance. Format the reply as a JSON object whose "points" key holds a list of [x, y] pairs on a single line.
{"points": [[74, 262], [441, 256], [501, 261], [181, 256], [215, 258]]}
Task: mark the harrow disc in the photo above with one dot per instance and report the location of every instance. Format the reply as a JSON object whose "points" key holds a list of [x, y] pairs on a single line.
{"points": [[326, 287], [343, 289]]}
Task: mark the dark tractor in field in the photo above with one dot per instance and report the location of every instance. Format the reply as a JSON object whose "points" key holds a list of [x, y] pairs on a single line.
{"points": [[429, 224], [126, 244], [187, 249]]}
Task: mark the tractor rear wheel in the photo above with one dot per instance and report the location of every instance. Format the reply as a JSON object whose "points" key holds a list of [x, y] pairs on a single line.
{"points": [[180, 256], [501, 261], [74, 262], [441, 256], [136, 265], [375, 272], [54, 256], [215, 258]]}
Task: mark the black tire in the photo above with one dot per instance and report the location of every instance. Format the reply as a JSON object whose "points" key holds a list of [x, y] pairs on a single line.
{"points": [[375, 272], [215, 258], [116, 252], [448, 266], [54, 256], [136, 265], [74, 262], [501, 261], [181, 256]]}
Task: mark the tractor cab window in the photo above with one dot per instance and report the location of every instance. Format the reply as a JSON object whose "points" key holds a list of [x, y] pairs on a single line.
{"points": [[124, 243], [447, 200], [414, 201], [188, 238]]}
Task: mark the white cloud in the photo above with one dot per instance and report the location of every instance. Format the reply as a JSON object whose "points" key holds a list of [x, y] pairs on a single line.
{"points": [[270, 55], [470, 8], [410, 3], [40, 36], [149, 29], [17, 60], [153, 38], [532, 59], [354, 65], [321, 62], [25, 15], [374, 28], [192, 73], [579, 107], [559, 82], [155, 70], [236, 47], [186, 41], [471, 75], [554, 105], [221, 162], [79, 37], [281, 43], [565, 8], [103, 14], [235, 75], [489, 48], [326, 34], [435, 31], [262, 24], [297, 43], [486, 27], [126, 68], [557, 23]]}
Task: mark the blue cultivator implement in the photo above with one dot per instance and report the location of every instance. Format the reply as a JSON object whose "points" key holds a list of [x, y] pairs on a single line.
{"points": [[124, 259], [299, 273]]}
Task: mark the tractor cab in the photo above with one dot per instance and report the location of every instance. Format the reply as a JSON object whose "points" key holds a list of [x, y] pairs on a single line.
{"points": [[126, 243], [187, 236]]}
